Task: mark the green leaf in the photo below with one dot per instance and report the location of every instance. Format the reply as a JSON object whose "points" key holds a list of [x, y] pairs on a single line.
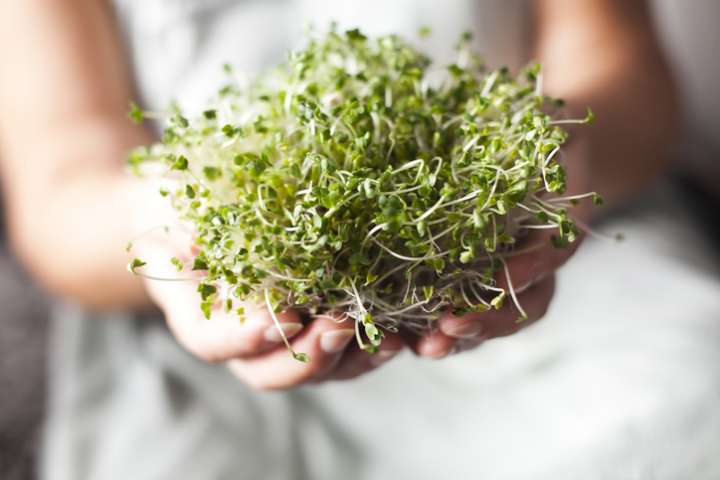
{"points": [[212, 173], [467, 256], [424, 31], [181, 121], [200, 263], [177, 263], [134, 264], [230, 131], [498, 301], [206, 309], [355, 35], [301, 357], [428, 292], [181, 163], [206, 291], [136, 114]]}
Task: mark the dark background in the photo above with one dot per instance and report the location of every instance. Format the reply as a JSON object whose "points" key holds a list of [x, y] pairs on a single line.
{"points": [[23, 352]]}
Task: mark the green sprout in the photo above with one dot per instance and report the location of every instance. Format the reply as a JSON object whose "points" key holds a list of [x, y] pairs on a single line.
{"points": [[345, 180], [134, 264], [136, 114]]}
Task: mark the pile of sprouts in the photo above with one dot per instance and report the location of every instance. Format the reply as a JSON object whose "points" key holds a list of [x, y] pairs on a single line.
{"points": [[345, 181]]}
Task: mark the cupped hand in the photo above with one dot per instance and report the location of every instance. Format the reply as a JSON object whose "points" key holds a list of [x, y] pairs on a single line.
{"points": [[254, 350], [529, 273]]}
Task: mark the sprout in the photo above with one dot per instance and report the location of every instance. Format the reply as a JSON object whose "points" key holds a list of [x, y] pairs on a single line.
{"points": [[345, 180]]}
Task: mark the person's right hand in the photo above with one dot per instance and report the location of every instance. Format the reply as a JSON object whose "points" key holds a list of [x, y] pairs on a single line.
{"points": [[253, 350]]}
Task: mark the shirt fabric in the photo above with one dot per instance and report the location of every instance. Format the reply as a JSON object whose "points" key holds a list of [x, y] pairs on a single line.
{"points": [[619, 381]]}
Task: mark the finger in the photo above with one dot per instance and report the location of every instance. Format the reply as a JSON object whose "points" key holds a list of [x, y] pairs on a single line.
{"points": [[541, 257], [323, 341], [434, 344], [356, 362], [534, 261], [476, 327], [223, 335]]}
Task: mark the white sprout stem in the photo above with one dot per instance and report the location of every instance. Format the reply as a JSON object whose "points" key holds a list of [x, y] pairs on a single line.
{"points": [[285, 277], [479, 297], [471, 143], [149, 231], [492, 191], [539, 227], [275, 320], [539, 85], [544, 163], [163, 279], [523, 315], [572, 197], [594, 233], [393, 271], [442, 234], [363, 311], [568, 122], [430, 210], [409, 165], [373, 231], [528, 209], [409, 259], [546, 208], [489, 287], [335, 208], [409, 308], [339, 319], [360, 304], [464, 294], [439, 204], [489, 83], [259, 215]]}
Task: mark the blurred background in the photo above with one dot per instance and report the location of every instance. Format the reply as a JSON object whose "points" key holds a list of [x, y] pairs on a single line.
{"points": [[691, 36], [23, 342]]}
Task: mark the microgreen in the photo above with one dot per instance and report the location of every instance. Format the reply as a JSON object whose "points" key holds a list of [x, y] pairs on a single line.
{"points": [[345, 180], [134, 264]]}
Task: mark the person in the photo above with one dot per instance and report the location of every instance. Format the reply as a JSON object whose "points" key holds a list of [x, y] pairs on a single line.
{"points": [[127, 402]]}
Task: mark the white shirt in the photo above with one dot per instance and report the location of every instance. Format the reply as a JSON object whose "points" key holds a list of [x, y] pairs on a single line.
{"points": [[619, 381]]}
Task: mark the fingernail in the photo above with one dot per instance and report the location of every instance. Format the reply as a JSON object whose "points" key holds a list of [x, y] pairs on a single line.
{"points": [[436, 355], [429, 350], [464, 330], [335, 341], [382, 356], [289, 329]]}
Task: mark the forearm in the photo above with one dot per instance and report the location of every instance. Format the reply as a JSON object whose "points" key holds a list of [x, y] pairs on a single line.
{"points": [[71, 222], [614, 66], [64, 133]]}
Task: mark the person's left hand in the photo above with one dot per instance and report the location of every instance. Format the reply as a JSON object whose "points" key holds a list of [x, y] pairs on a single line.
{"points": [[531, 274]]}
